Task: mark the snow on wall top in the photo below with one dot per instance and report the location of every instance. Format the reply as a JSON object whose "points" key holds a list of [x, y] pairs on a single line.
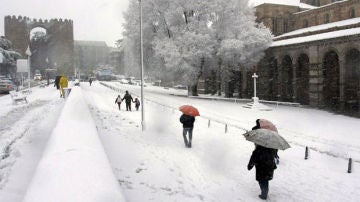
{"points": [[317, 37], [326, 5], [255, 3], [321, 27]]}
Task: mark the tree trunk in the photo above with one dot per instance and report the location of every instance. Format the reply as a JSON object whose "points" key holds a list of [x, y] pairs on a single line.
{"points": [[194, 91], [219, 77]]}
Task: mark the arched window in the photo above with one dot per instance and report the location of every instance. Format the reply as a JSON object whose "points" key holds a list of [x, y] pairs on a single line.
{"points": [[326, 18], [305, 23], [285, 28], [352, 12], [274, 24]]}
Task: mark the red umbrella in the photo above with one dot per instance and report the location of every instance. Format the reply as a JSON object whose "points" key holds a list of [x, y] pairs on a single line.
{"points": [[189, 110]]}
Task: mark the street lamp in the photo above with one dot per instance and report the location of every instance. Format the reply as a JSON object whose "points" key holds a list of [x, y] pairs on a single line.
{"points": [[142, 70], [47, 71], [28, 53]]}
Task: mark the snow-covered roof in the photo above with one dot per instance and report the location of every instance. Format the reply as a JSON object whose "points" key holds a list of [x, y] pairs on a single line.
{"points": [[321, 27], [317, 37], [326, 5], [255, 3]]}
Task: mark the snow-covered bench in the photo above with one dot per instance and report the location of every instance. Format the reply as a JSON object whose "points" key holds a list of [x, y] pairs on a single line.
{"points": [[18, 97]]}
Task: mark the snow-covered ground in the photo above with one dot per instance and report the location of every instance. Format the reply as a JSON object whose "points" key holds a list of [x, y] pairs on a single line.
{"points": [[154, 165]]}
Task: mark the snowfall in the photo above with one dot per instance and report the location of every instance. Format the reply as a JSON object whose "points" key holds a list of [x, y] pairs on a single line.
{"points": [[83, 149]]}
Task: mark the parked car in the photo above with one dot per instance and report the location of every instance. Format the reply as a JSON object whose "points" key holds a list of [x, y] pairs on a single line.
{"points": [[37, 77], [77, 82], [181, 87], [6, 86]]}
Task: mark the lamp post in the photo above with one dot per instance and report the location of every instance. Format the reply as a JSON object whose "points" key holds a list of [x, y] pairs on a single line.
{"points": [[142, 71], [47, 71], [28, 53], [255, 99]]}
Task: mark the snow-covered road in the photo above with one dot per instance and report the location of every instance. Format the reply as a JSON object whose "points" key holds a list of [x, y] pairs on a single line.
{"points": [[154, 165]]}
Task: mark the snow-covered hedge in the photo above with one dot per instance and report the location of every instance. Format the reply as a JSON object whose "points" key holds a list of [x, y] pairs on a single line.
{"points": [[74, 166]]}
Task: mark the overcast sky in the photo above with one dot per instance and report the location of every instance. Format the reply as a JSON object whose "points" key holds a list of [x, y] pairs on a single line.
{"points": [[99, 20]]}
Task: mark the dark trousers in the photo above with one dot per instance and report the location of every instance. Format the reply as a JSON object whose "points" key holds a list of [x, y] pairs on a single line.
{"points": [[128, 106], [264, 186], [186, 141], [119, 103]]}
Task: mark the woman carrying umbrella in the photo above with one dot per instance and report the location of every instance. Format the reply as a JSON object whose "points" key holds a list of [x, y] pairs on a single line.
{"points": [[267, 141], [188, 119]]}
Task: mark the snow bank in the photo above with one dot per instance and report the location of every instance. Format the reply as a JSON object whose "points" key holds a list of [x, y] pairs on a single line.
{"points": [[74, 166]]}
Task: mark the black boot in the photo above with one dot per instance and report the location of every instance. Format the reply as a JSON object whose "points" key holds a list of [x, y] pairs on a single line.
{"points": [[262, 197], [264, 187]]}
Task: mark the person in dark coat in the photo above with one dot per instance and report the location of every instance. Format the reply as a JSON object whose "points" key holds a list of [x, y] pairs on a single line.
{"points": [[263, 123], [188, 125], [118, 101], [90, 81], [263, 159], [128, 99], [57, 82]]}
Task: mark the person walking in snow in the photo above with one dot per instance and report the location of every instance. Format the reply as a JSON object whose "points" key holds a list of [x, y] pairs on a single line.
{"points": [[263, 159], [128, 99], [63, 84], [188, 126], [118, 101], [137, 104], [90, 81]]}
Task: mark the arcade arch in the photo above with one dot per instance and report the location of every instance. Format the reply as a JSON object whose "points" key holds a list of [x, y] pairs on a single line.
{"points": [[331, 80], [286, 79], [352, 81], [302, 79]]}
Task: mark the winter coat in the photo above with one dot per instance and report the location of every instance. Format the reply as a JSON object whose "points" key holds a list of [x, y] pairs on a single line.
{"points": [[127, 98], [57, 82], [118, 100], [263, 160], [187, 121], [137, 102], [63, 82]]}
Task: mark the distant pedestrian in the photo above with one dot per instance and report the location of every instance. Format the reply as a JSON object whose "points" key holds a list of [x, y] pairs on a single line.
{"points": [[90, 81], [118, 101], [188, 126], [137, 104], [57, 82], [63, 84], [128, 99], [263, 159]]}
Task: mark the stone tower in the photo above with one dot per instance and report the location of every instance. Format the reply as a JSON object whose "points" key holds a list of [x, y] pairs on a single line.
{"points": [[60, 50]]}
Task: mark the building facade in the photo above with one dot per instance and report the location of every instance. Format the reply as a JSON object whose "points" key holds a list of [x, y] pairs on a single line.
{"points": [[315, 57], [89, 55]]}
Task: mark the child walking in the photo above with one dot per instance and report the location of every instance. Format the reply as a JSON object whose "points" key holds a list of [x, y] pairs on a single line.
{"points": [[118, 101], [137, 104]]}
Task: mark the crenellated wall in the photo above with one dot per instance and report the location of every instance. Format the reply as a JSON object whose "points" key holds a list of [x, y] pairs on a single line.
{"points": [[60, 33]]}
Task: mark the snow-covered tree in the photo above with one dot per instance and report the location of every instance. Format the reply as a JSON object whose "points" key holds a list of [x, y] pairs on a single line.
{"points": [[8, 55], [182, 35], [240, 40]]}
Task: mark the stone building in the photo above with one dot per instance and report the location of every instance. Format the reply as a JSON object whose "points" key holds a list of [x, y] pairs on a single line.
{"points": [[90, 55], [315, 56], [116, 59], [59, 49]]}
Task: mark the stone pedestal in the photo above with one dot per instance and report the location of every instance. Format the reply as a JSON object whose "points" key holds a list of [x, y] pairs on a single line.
{"points": [[255, 104]]}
